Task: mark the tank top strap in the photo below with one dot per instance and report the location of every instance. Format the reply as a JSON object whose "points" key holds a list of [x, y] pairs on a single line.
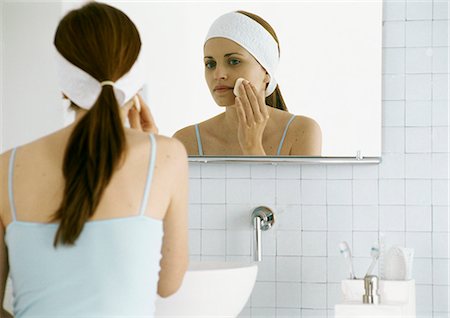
{"points": [[284, 134], [199, 140], [10, 184], [151, 168]]}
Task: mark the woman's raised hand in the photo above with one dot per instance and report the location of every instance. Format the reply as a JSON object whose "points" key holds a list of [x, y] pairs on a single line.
{"points": [[142, 120], [252, 116]]}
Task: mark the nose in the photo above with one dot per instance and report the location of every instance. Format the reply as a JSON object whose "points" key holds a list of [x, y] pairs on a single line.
{"points": [[220, 73]]}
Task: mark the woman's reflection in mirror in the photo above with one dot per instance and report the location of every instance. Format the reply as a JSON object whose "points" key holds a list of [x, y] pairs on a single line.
{"points": [[256, 121]]}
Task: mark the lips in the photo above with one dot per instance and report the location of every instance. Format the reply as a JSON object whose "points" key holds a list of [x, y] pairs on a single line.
{"points": [[221, 88]]}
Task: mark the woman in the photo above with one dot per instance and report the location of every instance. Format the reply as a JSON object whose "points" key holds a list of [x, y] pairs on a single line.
{"points": [[255, 122], [93, 212]]}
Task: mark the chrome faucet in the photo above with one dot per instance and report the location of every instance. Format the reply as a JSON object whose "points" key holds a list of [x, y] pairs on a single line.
{"points": [[263, 219]]}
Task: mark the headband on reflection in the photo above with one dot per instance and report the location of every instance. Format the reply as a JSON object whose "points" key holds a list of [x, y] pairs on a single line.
{"points": [[253, 37], [83, 89]]}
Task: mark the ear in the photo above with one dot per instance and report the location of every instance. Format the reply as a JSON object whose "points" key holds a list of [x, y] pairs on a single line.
{"points": [[266, 78]]}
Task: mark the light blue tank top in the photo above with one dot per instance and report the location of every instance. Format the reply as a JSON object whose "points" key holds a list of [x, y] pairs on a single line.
{"points": [[199, 139], [111, 271]]}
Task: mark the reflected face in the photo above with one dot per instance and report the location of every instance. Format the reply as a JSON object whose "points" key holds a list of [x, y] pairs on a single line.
{"points": [[226, 61]]}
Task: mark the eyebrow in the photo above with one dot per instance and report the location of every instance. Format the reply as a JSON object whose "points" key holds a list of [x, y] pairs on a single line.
{"points": [[226, 55]]}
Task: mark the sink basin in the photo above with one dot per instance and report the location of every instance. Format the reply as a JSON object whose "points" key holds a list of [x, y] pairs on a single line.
{"points": [[210, 289]]}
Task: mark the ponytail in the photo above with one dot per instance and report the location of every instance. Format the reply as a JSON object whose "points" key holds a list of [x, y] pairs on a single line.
{"points": [[95, 149]]}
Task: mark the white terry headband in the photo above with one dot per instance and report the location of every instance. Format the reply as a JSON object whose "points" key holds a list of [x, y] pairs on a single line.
{"points": [[253, 37], [83, 89]]}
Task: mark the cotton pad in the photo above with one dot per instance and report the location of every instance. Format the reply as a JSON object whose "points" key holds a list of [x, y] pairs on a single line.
{"points": [[236, 86], [137, 103]]}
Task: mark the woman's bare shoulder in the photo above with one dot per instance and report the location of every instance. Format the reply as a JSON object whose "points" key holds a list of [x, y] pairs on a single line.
{"points": [[305, 123]]}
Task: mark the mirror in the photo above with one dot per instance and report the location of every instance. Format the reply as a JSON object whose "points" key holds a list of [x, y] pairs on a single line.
{"points": [[329, 70]]}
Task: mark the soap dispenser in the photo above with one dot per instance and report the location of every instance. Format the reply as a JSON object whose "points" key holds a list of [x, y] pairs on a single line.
{"points": [[371, 295]]}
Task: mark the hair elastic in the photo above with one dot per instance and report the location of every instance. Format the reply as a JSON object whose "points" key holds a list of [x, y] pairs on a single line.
{"points": [[105, 83], [253, 37]]}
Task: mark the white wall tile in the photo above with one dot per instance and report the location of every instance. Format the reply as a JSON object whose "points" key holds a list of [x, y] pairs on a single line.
{"points": [[418, 60], [195, 242], [269, 243], [393, 87], [391, 191], [195, 191], [288, 191], [288, 295], [418, 166], [264, 312], [195, 216], [314, 269], [418, 113], [213, 191], [440, 298], [440, 10], [339, 171], [393, 140], [392, 218], [318, 171], [418, 33], [365, 192], [394, 10], [439, 165], [363, 242], [263, 295], [392, 166], [314, 191], [393, 113], [420, 242], [238, 190], [418, 192], [393, 60], [441, 272], [422, 270], [213, 171], [334, 296], [418, 140], [267, 269], [194, 170], [365, 171], [263, 171], [339, 218], [238, 171], [339, 192], [395, 238], [289, 243], [314, 218], [288, 312], [288, 171], [419, 10], [239, 242], [440, 113], [394, 34], [314, 296], [213, 258], [441, 219], [315, 313], [440, 60], [440, 139], [263, 191], [213, 242], [440, 87], [365, 218], [289, 218], [418, 218], [440, 33], [424, 300], [361, 265], [337, 269], [418, 87], [214, 216], [314, 243], [289, 269], [239, 217], [441, 245]]}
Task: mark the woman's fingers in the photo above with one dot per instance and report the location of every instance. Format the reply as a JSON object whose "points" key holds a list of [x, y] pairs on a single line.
{"points": [[134, 119], [262, 103], [246, 105], [148, 123], [254, 102], [240, 111]]}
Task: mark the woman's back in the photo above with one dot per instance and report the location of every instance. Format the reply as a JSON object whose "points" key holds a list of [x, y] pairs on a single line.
{"points": [[112, 269]]}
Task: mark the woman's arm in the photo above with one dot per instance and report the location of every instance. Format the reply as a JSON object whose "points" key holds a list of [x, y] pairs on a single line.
{"points": [[175, 256]]}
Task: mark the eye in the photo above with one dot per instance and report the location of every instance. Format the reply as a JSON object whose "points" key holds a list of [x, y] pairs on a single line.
{"points": [[234, 61], [210, 64]]}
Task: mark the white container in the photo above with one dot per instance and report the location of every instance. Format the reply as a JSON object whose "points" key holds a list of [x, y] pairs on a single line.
{"points": [[397, 299]]}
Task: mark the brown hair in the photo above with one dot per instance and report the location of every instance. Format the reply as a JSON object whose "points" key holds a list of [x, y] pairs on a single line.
{"points": [[275, 99], [105, 43]]}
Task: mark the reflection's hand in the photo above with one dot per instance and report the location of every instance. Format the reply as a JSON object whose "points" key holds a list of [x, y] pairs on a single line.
{"points": [[253, 116], [142, 120]]}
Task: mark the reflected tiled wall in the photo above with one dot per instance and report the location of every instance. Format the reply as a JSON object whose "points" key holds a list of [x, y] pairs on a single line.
{"points": [[317, 206]]}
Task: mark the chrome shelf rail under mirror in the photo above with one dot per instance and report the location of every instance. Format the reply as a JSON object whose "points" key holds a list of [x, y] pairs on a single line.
{"points": [[286, 159]]}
